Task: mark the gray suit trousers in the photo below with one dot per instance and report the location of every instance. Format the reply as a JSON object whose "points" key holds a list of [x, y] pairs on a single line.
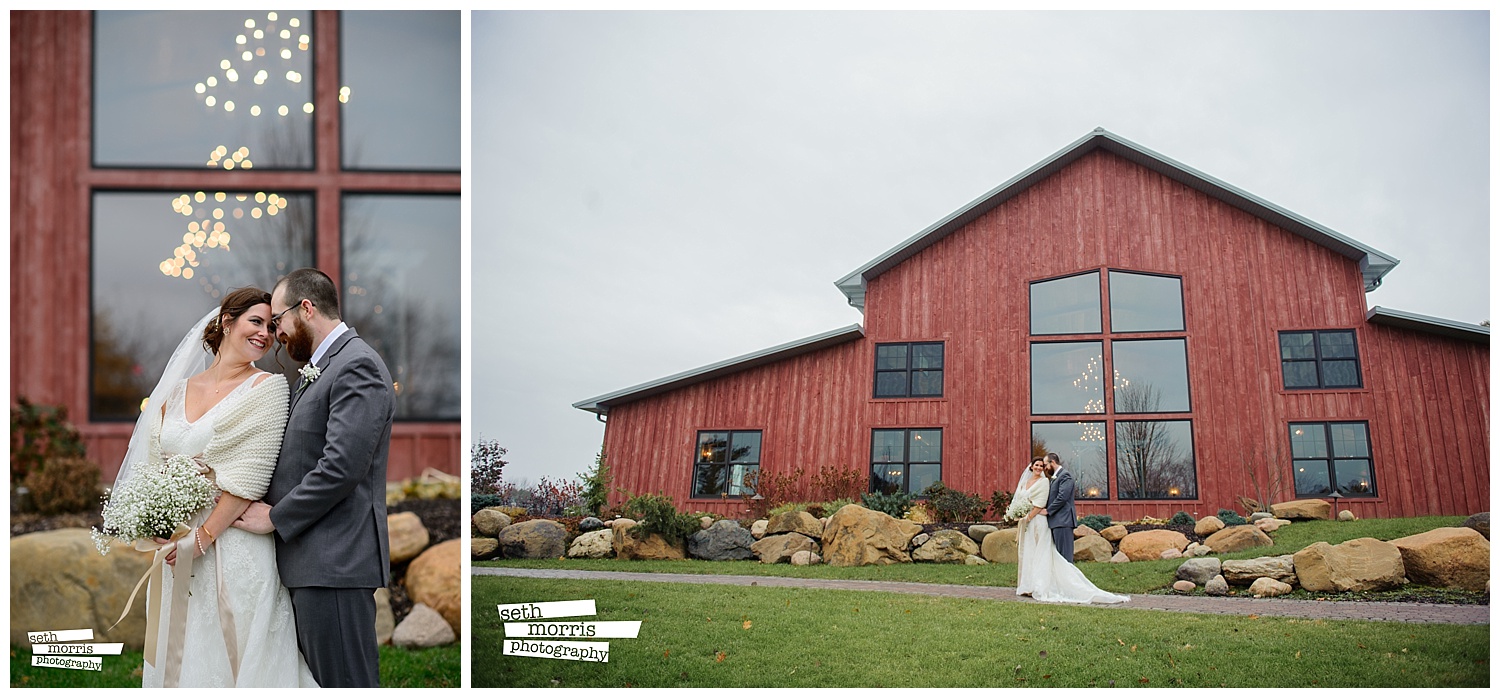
{"points": [[336, 633], [1062, 537]]}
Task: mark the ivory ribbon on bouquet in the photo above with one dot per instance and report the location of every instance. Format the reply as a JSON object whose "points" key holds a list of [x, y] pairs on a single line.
{"points": [[182, 540]]}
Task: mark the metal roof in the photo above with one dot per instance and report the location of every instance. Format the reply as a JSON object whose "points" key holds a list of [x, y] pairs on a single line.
{"points": [[1431, 325], [602, 403], [1373, 264]]}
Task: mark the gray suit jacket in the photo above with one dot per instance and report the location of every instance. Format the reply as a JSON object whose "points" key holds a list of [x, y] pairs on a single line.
{"points": [[327, 496], [1060, 501]]}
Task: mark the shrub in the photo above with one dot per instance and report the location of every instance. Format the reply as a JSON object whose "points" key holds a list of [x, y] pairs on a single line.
{"points": [[1098, 522], [658, 514], [948, 504], [773, 490], [596, 487], [64, 486], [37, 433], [1182, 518], [1230, 518], [817, 509], [895, 504], [834, 482], [486, 465], [483, 501], [1000, 502], [554, 498]]}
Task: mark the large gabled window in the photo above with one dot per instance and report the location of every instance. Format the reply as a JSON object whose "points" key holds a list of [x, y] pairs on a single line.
{"points": [[1319, 359]]}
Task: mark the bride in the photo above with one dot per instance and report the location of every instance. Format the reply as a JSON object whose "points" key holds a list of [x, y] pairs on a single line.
{"points": [[1043, 573], [230, 416]]}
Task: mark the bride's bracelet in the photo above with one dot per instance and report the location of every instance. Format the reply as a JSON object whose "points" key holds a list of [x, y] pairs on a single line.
{"points": [[199, 542]]}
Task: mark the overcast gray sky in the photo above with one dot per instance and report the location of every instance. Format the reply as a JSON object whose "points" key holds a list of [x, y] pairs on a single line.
{"points": [[653, 192]]}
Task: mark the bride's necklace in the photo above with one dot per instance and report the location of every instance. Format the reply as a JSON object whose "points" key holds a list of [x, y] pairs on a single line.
{"points": [[221, 382]]}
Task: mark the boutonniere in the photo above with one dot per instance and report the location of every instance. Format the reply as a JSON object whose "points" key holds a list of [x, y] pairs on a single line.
{"points": [[309, 373]]}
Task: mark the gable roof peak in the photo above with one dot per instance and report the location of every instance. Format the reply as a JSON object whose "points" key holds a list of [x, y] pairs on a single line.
{"points": [[1373, 264]]}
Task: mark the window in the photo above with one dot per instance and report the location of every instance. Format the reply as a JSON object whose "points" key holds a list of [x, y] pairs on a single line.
{"points": [[905, 460], [1093, 386], [1332, 455], [723, 461], [909, 370], [186, 102], [1319, 359], [1154, 460]]}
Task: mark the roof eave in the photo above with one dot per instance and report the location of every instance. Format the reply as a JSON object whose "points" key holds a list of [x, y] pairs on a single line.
{"points": [[1428, 324]]}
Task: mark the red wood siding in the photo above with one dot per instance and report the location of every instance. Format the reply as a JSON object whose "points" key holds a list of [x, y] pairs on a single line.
{"points": [[1244, 280], [51, 180]]}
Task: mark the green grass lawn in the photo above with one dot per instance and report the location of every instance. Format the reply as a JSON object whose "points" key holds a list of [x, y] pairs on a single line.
{"points": [[1129, 578], [437, 667], [728, 636]]}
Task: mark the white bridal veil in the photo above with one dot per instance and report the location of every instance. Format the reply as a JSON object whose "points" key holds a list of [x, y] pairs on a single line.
{"points": [[189, 359]]}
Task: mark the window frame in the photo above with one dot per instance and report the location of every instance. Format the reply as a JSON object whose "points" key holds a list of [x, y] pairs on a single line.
{"points": [[909, 370], [1332, 459], [1318, 360], [728, 464], [906, 462]]}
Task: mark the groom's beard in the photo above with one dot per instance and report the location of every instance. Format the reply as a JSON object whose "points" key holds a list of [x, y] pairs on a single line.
{"points": [[299, 344]]}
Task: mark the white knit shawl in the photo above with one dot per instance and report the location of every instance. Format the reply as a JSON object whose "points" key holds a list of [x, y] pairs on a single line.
{"points": [[246, 440]]}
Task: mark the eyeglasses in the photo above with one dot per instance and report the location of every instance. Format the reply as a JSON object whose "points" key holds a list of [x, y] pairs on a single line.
{"points": [[276, 319]]}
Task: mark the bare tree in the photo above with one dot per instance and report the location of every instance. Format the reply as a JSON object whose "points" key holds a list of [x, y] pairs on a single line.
{"points": [[1151, 463]]}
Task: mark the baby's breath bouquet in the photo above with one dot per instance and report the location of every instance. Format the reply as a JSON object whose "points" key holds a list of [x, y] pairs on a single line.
{"points": [[154, 502], [1018, 509]]}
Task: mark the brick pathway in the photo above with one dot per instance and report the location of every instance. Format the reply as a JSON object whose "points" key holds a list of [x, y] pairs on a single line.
{"points": [[1328, 610]]}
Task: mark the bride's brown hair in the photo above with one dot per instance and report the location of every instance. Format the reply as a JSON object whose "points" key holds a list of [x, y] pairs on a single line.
{"points": [[235, 304]]}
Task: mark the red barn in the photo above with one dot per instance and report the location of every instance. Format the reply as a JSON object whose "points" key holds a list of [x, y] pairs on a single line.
{"points": [[1178, 341]]}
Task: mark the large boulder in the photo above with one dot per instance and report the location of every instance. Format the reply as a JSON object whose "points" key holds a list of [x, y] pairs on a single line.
{"points": [[725, 540], [488, 522], [1148, 545], [1081, 530], [858, 536], [795, 522], [595, 544], [1271, 525], [780, 547], [1303, 509], [1001, 546], [1199, 570], [1237, 538], [977, 532], [408, 537], [1362, 564], [1479, 522], [635, 544], [423, 627], [1216, 586], [946, 546], [1092, 549], [536, 539], [483, 548], [59, 581], [1208, 526], [435, 578], [1443, 557], [758, 528], [1243, 572], [1114, 533], [590, 524], [1266, 587]]}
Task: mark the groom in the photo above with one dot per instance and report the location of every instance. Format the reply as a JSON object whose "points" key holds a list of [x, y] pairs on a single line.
{"points": [[326, 502], [1060, 515]]}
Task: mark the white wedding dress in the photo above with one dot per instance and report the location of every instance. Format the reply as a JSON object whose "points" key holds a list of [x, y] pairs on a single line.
{"points": [[265, 631], [1043, 572]]}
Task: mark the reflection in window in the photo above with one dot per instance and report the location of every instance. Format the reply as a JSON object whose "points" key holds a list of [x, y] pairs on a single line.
{"points": [[1154, 460], [1144, 303], [1081, 447], [1069, 305], [1332, 455], [402, 70], [905, 460], [171, 87], [724, 461], [1151, 376], [909, 370], [1067, 378], [401, 292], [156, 271], [1319, 359]]}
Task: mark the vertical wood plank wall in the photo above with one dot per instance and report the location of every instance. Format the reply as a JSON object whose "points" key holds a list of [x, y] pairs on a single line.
{"points": [[1425, 397], [50, 184]]}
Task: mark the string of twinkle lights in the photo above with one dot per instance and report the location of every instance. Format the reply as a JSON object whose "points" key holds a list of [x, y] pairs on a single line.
{"points": [[208, 230], [1091, 383]]}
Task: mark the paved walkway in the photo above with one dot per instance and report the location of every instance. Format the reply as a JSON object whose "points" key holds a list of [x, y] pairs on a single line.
{"points": [[1328, 610]]}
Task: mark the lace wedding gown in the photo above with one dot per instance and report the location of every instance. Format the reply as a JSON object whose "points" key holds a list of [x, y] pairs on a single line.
{"points": [[265, 631], [1043, 572]]}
